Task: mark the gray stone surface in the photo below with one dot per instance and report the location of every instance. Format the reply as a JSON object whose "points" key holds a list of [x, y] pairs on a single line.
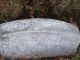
{"points": [[36, 38]]}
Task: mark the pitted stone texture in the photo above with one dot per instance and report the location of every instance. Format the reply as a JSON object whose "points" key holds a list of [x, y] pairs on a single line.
{"points": [[36, 38]]}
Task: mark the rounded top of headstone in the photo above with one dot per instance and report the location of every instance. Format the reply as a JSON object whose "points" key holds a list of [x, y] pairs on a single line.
{"points": [[38, 24]]}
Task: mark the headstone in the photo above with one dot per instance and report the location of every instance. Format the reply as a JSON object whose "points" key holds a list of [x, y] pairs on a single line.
{"points": [[37, 38]]}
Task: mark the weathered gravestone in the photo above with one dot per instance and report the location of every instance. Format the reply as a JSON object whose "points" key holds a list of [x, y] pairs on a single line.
{"points": [[37, 38]]}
